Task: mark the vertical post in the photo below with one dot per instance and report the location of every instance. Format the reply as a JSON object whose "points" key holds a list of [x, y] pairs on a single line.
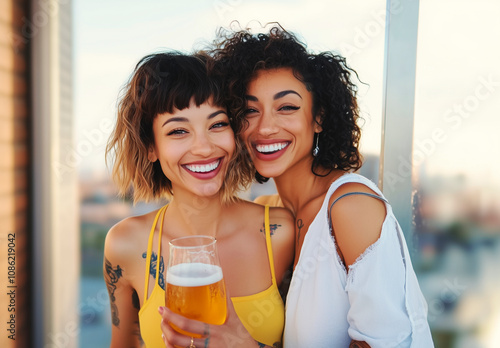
{"points": [[55, 206], [398, 110]]}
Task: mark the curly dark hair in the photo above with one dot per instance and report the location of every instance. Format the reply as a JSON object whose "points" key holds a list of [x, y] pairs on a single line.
{"points": [[160, 83], [240, 54]]}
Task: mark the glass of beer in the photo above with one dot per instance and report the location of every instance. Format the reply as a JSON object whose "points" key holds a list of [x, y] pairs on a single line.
{"points": [[195, 285]]}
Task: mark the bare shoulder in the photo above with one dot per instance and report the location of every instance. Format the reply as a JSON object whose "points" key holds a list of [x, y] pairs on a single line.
{"points": [[282, 216], [282, 225], [277, 215], [356, 204], [127, 237], [356, 220], [279, 218]]}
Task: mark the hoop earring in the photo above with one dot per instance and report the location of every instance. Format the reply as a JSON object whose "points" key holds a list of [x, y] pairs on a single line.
{"points": [[316, 148]]}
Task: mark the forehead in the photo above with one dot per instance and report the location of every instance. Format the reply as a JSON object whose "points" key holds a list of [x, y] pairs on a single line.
{"points": [[275, 80]]}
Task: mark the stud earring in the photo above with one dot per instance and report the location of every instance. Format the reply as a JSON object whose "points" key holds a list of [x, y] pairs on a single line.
{"points": [[316, 148]]}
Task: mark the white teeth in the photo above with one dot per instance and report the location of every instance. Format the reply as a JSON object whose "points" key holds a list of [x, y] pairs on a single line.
{"points": [[203, 168], [271, 147]]}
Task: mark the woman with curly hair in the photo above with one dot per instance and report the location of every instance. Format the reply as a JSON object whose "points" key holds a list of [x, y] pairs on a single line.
{"points": [[353, 283], [173, 140]]}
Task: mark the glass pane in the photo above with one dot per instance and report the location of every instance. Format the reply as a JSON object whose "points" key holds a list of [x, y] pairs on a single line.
{"points": [[457, 185], [110, 38]]}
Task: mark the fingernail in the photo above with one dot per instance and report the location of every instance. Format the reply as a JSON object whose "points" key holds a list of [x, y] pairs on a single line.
{"points": [[160, 309]]}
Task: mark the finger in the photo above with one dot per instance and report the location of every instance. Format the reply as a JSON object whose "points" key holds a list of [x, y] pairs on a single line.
{"points": [[189, 325], [172, 338], [201, 342]]}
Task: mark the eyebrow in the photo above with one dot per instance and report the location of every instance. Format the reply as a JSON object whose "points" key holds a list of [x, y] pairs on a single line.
{"points": [[185, 119], [213, 114], [275, 97], [283, 93]]}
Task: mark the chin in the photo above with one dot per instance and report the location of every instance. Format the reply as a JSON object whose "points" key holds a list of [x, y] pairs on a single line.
{"points": [[210, 189], [269, 173]]}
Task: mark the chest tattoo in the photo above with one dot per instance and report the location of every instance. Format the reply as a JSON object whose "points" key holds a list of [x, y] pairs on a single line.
{"points": [[152, 268], [300, 224]]}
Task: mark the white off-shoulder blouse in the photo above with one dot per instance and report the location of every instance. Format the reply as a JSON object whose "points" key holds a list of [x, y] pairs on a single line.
{"points": [[378, 301]]}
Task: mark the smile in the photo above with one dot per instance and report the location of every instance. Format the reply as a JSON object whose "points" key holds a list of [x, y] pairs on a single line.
{"points": [[271, 148], [203, 168]]}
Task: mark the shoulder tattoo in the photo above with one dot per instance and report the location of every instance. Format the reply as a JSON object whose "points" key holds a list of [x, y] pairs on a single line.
{"points": [[272, 227], [112, 277]]}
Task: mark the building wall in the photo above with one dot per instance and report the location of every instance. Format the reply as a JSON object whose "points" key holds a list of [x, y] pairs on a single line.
{"points": [[14, 176]]}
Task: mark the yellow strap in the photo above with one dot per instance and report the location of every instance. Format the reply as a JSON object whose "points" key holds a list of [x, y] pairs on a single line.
{"points": [[150, 249], [268, 243], [159, 245]]}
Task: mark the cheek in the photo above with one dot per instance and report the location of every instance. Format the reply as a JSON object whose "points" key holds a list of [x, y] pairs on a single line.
{"points": [[228, 143], [300, 124], [169, 152]]}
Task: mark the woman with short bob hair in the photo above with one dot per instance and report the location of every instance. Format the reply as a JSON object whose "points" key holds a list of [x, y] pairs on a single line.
{"points": [[161, 83]]}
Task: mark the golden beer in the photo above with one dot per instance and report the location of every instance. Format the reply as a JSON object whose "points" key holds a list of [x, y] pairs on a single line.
{"points": [[197, 291]]}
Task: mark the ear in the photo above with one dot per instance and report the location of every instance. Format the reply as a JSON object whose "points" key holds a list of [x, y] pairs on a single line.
{"points": [[318, 128], [152, 154]]}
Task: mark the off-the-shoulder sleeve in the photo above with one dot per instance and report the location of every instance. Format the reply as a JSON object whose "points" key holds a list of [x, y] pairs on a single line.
{"points": [[380, 285]]}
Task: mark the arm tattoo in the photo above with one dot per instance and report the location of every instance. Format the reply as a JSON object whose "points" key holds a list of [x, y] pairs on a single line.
{"points": [[152, 268], [272, 228], [112, 277]]}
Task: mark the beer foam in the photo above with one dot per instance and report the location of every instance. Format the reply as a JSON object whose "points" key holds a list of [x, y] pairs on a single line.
{"points": [[193, 274]]}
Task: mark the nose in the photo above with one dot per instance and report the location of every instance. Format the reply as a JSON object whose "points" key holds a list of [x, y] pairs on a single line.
{"points": [[202, 145], [267, 124]]}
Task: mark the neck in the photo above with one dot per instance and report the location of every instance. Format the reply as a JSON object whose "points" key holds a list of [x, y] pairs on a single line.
{"points": [[194, 215], [299, 187]]}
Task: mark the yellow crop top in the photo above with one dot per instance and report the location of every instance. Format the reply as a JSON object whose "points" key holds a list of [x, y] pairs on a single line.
{"points": [[262, 314]]}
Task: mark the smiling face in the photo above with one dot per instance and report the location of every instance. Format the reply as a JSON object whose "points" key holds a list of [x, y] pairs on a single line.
{"points": [[281, 125], [194, 147]]}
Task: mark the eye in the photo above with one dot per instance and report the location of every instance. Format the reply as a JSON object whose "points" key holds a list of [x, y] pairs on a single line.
{"points": [[220, 124], [250, 112], [289, 108], [177, 131]]}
